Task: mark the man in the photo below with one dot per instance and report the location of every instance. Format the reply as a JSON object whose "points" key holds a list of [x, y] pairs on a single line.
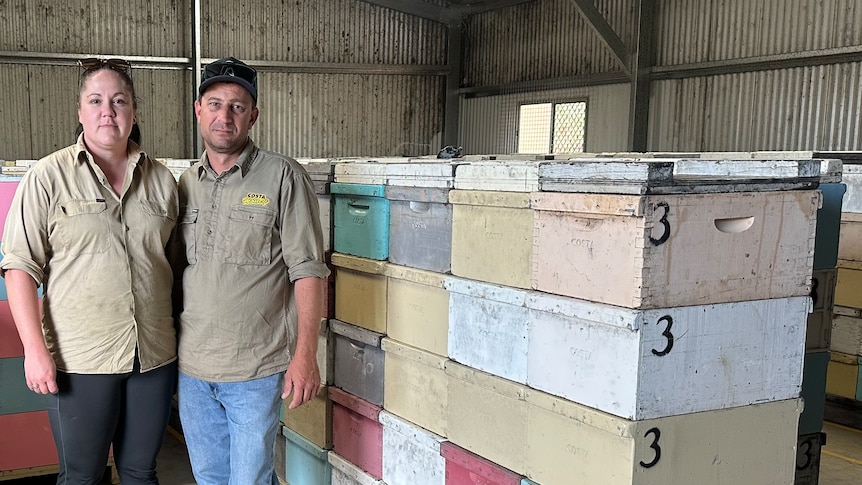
{"points": [[252, 287]]}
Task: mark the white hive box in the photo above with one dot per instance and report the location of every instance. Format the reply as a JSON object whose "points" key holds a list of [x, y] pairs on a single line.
{"points": [[639, 176], [411, 455], [422, 173], [370, 171], [500, 175], [655, 251], [634, 364], [568, 443], [321, 171], [852, 177], [346, 473], [489, 327]]}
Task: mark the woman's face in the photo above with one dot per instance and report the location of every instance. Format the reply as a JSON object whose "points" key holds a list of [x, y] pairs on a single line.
{"points": [[106, 110]]}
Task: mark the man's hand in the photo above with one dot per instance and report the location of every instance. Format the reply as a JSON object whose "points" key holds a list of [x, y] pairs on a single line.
{"points": [[302, 379]]}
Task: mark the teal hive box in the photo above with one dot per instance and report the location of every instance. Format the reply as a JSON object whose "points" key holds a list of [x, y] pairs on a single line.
{"points": [[360, 220], [305, 463], [15, 397], [813, 392], [828, 226]]}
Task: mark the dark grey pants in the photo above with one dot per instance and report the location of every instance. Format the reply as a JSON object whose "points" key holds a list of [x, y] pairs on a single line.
{"points": [[91, 412]]}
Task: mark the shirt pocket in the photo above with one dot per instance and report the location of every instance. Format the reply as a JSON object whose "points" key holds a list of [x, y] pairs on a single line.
{"points": [[250, 235], [159, 220], [188, 233], [84, 227]]}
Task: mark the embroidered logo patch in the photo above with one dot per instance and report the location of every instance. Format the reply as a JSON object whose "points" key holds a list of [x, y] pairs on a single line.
{"points": [[255, 199]]}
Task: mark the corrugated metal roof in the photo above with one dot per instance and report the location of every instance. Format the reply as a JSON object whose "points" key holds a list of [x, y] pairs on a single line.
{"points": [[540, 40]]}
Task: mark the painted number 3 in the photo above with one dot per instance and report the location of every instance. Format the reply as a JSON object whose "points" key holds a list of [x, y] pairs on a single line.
{"points": [[666, 334], [656, 448], [665, 224]]}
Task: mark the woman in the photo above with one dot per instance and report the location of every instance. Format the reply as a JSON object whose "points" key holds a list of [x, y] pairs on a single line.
{"points": [[91, 222]]}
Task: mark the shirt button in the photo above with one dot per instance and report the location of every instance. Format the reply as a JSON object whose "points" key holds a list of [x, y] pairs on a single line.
{"points": [[209, 231]]}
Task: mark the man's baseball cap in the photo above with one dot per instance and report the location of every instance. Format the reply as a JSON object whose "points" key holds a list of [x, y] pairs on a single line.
{"points": [[229, 70]]}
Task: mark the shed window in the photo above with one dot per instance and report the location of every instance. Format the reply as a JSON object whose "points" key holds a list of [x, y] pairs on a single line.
{"points": [[552, 127]]}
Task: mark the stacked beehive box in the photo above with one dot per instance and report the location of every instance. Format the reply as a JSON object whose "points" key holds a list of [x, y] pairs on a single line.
{"points": [[648, 282], [670, 307], [844, 379], [392, 225], [27, 447]]}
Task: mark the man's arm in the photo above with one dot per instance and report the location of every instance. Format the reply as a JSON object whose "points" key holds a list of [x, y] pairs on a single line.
{"points": [[303, 376]]}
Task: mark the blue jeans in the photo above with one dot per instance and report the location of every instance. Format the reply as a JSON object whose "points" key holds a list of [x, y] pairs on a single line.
{"points": [[230, 428]]}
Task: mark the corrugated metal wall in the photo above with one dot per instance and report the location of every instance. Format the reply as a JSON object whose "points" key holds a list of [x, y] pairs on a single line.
{"points": [[329, 115], [487, 123], [812, 108], [130, 27], [318, 100], [708, 30], [337, 31], [385, 111]]}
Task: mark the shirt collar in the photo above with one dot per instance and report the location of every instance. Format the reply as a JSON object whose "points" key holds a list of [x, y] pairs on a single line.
{"points": [[245, 161], [82, 155]]}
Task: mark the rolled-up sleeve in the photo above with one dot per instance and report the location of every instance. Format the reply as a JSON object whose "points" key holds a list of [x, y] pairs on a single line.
{"points": [[301, 231], [25, 235]]}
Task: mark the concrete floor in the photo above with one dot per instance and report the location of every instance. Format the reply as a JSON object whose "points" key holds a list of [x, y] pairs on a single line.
{"points": [[841, 460]]}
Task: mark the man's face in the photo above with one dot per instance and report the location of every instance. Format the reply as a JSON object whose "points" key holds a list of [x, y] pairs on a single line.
{"points": [[225, 114]]}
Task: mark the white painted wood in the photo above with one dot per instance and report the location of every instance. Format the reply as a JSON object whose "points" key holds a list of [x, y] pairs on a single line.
{"points": [[666, 362], [852, 177], [846, 334], [569, 443], [365, 170], [325, 204], [346, 473], [488, 326], [636, 364], [503, 175], [677, 176], [437, 174], [411, 455]]}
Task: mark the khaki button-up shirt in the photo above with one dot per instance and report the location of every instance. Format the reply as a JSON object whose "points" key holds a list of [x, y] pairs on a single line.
{"points": [[101, 259], [248, 233]]}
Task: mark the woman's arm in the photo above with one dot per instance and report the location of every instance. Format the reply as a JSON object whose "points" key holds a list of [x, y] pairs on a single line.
{"points": [[39, 368]]}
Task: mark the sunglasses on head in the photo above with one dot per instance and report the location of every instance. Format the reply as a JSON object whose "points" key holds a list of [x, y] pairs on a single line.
{"points": [[227, 68], [94, 64]]}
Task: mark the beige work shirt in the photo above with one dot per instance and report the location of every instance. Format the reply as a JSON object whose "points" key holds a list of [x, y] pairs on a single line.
{"points": [[101, 259], [248, 234]]}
